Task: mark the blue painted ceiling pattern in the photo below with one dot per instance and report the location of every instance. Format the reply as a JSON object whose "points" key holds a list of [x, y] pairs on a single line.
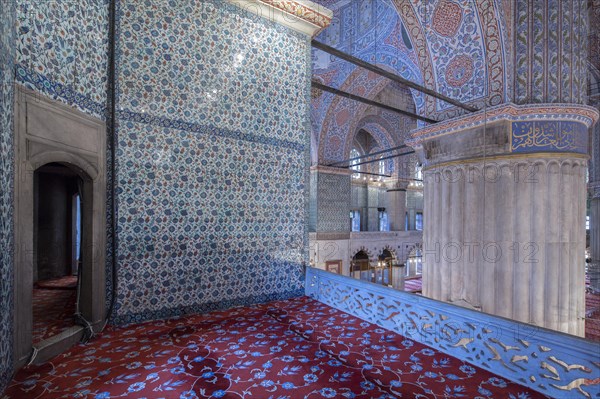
{"points": [[454, 38], [453, 56], [62, 50], [370, 30], [7, 37], [212, 158]]}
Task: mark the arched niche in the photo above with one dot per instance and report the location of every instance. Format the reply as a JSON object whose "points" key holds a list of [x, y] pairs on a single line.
{"points": [[46, 132]]}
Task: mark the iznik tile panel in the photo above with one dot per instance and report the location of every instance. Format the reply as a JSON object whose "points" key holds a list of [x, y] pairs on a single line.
{"points": [[333, 202], [7, 38], [211, 160], [62, 51]]}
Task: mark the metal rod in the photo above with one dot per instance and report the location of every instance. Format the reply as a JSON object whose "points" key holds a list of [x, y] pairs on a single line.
{"points": [[389, 75], [368, 155], [354, 97]]}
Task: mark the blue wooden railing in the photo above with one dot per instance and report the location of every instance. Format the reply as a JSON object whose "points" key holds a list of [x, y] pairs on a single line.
{"points": [[553, 363]]}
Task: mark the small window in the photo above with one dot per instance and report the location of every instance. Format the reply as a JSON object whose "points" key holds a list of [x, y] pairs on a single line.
{"points": [[418, 174], [587, 222], [384, 223], [355, 220], [419, 221], [381, 166]]}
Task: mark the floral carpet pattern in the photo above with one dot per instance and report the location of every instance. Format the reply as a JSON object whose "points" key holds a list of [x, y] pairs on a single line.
{"points": [[53, 307], [296, 348]]}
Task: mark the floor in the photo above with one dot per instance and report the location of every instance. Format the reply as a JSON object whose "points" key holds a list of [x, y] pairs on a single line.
{"points": [[592, 316], [53, 307], [297, 348]]}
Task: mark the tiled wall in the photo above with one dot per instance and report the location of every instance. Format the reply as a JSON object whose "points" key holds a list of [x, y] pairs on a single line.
{"points": [[333, 202], [551, 51], [62, 51], [212, 158], [7, 37]]}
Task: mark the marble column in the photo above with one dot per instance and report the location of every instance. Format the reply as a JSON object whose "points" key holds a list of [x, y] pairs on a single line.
{"points": [[395, 204], [505, 199], [594, 188]]}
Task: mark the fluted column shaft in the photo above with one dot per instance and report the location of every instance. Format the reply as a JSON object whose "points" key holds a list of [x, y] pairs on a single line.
{"points": [[508, 244]]}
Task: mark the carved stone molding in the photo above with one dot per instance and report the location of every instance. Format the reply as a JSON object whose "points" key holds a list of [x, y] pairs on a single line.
{"points": [[301, 15], [509, 112], [47, 131], [594, 189], [331, 170]]}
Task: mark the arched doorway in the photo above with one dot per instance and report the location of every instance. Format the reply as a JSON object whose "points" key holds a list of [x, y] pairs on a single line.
{"points": [[57, 148], [386, 255], [59, 245], [359, 267]]}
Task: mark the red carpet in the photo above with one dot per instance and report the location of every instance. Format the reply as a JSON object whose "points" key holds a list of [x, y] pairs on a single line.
{"points": [[53, 307], [62, 283], [287, 349], [592, 316]]}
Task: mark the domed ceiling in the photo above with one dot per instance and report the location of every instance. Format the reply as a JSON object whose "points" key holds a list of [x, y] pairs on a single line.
{"points": [[456, 48]]}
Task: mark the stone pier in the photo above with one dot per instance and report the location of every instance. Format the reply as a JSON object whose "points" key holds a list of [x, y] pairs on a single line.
{"points": [[505, 205]]}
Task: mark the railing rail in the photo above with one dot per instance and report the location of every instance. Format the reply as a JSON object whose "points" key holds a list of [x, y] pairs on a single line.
{"points": [[553, 363]]}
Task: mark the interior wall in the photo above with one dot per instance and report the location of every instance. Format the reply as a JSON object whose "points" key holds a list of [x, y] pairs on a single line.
{"points": [[7, 38], [62, 50], [54, 236], [333, 202], [367, 199], [212, 158], [62, 53]]}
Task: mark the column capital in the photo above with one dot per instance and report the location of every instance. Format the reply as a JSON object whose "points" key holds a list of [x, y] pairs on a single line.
{"points": [[506, 130], [396, 184], [331, 170]]}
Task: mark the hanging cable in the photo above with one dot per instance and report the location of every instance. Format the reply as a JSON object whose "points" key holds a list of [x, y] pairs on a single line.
{"points": [[34, 353]]}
